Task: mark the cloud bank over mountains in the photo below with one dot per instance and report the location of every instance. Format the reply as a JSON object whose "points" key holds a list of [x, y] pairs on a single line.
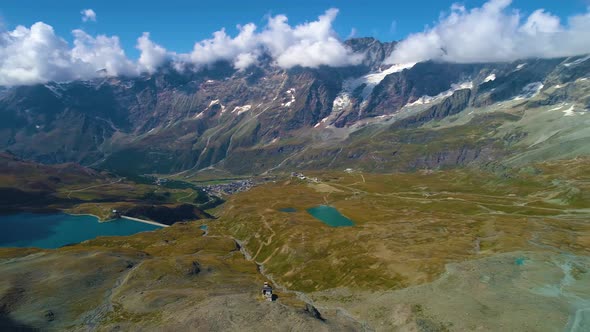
{"points": [[493, 32], [496, 33], [37, 54]]}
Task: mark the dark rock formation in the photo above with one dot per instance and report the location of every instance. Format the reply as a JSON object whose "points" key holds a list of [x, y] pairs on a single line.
{"points": [[313, 312], [451, 105]]}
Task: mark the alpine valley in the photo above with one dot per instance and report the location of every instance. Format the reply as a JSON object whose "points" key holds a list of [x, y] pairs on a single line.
{"points": [[429, 196]]}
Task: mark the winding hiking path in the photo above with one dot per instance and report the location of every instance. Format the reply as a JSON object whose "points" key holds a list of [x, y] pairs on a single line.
{"points": [[95, 186], [268, 241]]}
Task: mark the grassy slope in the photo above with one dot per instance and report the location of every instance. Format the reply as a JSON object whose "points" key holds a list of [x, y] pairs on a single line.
{"points": [[173, 278], [75, 189], [409, 225]]}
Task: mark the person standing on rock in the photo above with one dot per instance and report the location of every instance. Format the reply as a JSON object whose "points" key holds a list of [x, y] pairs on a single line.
{"points": [[267, 291]]}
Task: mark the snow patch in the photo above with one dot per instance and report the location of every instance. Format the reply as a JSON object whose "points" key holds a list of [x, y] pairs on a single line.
{"points": [[569, 112], [242, 109], [372, 79], [530, 90], [376, 78], [577, 62], [216, 102], [429, 99], [464, 85], [324, 120], [557, 108], [341, 101], [520, 66], [38, 126], [290, 92], [490, 78], [55, 89]]}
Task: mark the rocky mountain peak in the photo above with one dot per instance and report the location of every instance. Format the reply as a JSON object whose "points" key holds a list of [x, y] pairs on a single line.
{"points": [[177, 119]]}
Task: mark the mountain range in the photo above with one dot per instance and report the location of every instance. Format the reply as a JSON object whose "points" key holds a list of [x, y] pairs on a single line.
{"points": [[464, 187], [373, 116]]}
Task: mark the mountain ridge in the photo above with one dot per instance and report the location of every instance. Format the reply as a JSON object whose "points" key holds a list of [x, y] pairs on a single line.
{"points": [[174, 121]]}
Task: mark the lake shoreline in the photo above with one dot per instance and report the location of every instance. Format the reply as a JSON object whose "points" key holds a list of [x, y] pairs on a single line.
{"points": [[99, 219], [150, 222], [54, 230], [89, 214]]}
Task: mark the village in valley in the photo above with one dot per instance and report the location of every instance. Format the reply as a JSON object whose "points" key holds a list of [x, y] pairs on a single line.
{"points": [[223, 189]]}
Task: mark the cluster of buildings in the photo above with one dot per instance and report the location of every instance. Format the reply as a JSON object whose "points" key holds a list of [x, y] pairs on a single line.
{"points": [[228, 188], [302, 177], [160, 181]]}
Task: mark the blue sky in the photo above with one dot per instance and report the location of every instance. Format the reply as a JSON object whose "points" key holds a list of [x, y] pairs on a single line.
{"points": [[178, 24], [43, 41]]}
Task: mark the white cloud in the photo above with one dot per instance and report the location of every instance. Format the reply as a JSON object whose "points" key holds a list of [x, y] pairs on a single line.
{"points": [[223, 47], [88, 15], [37, 55], [102, 52], [34, 55], [494, 32], [310, 44], [245, 60], [152, 55]]}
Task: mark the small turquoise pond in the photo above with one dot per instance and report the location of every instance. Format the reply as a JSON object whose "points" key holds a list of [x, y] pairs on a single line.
{"points": [[330, 216], [288, 210], [203, 227], [55, 230]]}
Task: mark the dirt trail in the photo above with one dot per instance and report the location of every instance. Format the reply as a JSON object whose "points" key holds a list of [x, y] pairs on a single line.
{"points": [[300, 295], [268, 241], [93, 317], [181, 199], [95, 186]]}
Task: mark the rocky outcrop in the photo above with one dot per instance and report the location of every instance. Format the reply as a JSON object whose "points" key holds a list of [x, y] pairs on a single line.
{"points": [[375, 51], [194, 269], [313, 312], [454, 104], [424, 79]]}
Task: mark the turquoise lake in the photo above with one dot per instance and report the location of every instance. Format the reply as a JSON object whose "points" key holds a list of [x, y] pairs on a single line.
{"points": [[55, 230], [330, 216]]}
